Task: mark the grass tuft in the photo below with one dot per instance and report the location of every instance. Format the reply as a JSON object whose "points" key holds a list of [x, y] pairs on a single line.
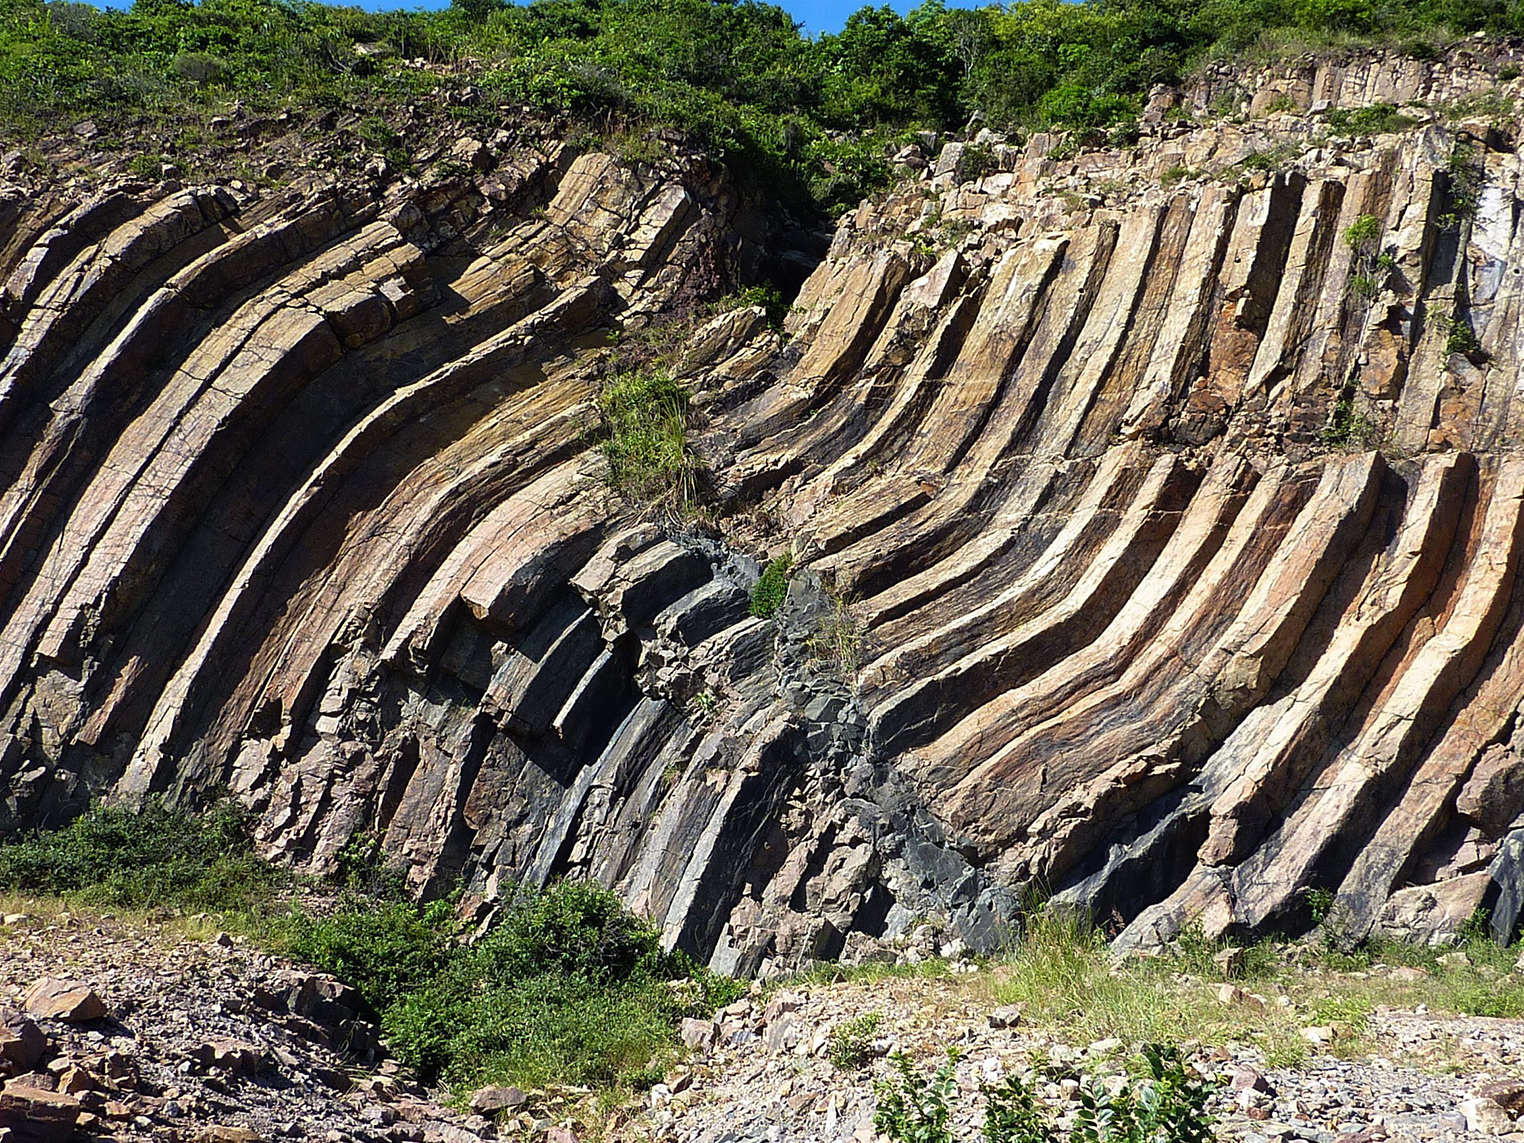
{"points": [[645, 438]]}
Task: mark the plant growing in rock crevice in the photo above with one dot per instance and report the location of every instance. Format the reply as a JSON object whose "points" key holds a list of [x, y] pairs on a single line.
{"points": [[644, 417], [1464, 173], [1363, 237], [768, 593], [1349, 426], [1460, 338], [838, 640]]}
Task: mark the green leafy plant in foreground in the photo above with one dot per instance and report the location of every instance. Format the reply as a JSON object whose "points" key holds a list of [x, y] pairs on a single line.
{"points": [[1167, 1105], [913, 1107], [1013, 1113], [1164, 1102]]}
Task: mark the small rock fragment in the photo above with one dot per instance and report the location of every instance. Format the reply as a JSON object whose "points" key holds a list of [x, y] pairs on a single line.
{"points": [[1006, 1016], [1230, 962]]}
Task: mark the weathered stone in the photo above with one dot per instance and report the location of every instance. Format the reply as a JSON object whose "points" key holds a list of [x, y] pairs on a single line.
{"points": [[22, 1043], [491, 1100], [234, 1057], [1485, 1117], [71, 1000], [698, 1034], [38, 1116], [1006, 1016]]}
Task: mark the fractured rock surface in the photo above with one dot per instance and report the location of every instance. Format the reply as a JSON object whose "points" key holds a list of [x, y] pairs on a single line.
{"points": [[1154, 542]]}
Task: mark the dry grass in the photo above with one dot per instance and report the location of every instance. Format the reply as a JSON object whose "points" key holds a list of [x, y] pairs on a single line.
{"points": [[1071, 987]]}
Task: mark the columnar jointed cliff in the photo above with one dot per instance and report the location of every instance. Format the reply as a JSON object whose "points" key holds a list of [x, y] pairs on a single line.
{"points": [[1156, 517]]}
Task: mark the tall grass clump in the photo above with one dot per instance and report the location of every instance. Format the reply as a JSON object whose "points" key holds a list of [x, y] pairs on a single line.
{"points": [[1063, 974], [644, 417]]}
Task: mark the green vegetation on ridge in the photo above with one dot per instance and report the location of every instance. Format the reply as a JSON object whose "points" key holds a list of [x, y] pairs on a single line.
{"points": [[566, 986], [810, 119]]}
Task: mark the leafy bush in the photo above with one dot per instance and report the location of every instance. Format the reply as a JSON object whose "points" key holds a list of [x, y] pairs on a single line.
{"points": [[1168, 1105], [1166, 1102], [1376, 119], [1013, 1114], [568, 986], [852, 1041], [1460, 338], [155, 856], [914, 1108], [385, 949], [768, 593], [766, 295], [645, 437], [1363, 233], [1347, 426]]}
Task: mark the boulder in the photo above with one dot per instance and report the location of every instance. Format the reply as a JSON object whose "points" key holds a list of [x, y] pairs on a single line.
{"points": [[1486, 1117], [71, 1000], [491, 1100], [22, 1043], [37, 1116]]}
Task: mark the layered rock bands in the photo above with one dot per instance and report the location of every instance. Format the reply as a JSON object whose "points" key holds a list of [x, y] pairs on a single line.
{"points": [[1156, 523]]}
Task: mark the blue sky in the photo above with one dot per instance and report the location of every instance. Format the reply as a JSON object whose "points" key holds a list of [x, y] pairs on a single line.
{"points": [[816, 15]]}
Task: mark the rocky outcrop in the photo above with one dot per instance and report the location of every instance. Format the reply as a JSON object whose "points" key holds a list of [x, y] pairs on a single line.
{"points": [[1155, 516]]}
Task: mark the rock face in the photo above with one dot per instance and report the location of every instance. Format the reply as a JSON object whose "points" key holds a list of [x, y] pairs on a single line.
{"points": [[1156, 517]]}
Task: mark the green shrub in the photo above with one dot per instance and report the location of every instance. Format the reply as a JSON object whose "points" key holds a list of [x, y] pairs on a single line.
{"points": [[766, 295], [852, 1041], [1465, 174], [155, 856], [1167, 1105], [1013, 1114], [385, 949], [568, 986], [768, 593], [1377, 119], [914, 1108], [1347, 426], [1363, 233], [1460, 338], [645, 437]]}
